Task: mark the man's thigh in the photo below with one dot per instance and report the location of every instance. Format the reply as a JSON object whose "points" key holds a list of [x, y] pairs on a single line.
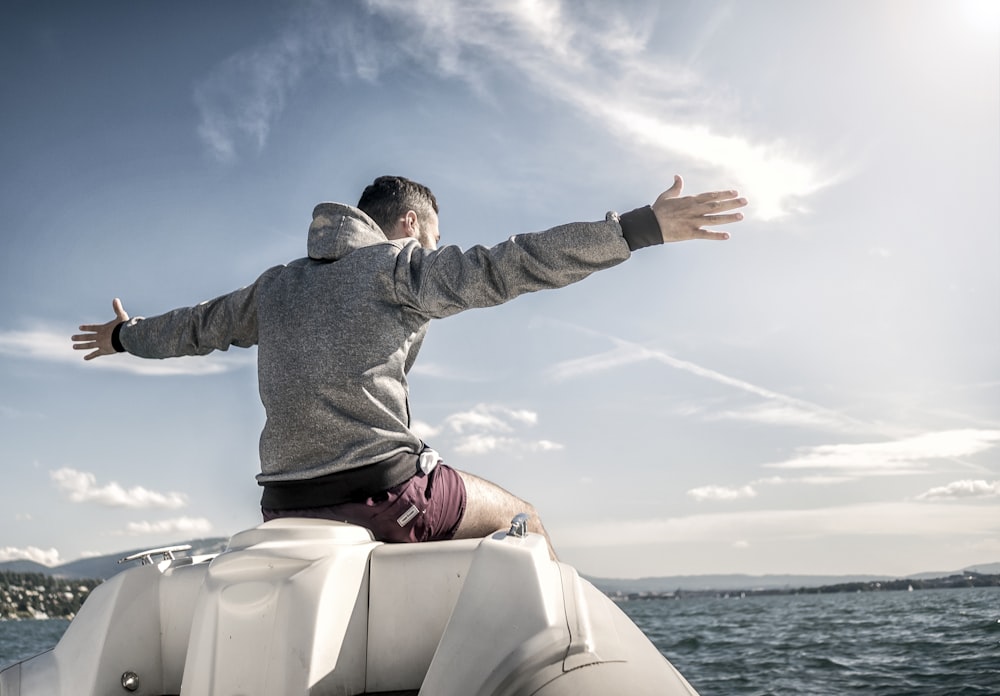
{"points": [[488, 507]]}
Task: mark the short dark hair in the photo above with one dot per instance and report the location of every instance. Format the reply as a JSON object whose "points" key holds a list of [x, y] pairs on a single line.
{"points": [[388, 198]]}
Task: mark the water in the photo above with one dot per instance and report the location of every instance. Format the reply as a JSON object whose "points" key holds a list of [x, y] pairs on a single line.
{"points": [[926, 643], [20, 640]]}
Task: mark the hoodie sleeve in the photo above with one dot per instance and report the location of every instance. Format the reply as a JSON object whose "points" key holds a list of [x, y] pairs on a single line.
{"points": [[229, 320], [446, 281]]}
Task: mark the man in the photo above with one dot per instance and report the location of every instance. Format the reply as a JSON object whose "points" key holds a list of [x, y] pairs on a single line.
{"points": [[338, 331]]}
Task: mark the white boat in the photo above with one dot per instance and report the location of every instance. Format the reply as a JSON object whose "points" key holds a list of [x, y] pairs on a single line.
{"points": [[299, 606]]}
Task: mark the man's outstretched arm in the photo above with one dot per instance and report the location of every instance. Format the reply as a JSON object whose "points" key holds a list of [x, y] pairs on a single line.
{"points": [[448, 280], [99, 338], [228, 320]]}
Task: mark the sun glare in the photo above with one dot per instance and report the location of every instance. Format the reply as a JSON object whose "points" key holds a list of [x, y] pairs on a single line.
{"points": [[983, 15]]}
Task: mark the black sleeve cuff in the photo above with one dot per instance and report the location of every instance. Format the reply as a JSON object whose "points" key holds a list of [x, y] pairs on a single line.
{"points": [[640, 228], [116, 340]]}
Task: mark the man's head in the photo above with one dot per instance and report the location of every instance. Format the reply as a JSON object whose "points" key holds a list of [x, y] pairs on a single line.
{"points": [[402, 208]]}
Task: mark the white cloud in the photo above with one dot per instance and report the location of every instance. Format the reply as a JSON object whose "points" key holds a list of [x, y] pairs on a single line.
{"points": [[180, 525], [593, 65], [905, 455], [721, 493], [47, 557], [545, 446], [597, 68], [81, 487], [38, 345], [51, 346], [425, 431], [728, 493], [785, 414], [484, 444], [822, 480], [959, 490], [771, 176], [487, 428], [490, 418], [597, 63], [241, 97]]}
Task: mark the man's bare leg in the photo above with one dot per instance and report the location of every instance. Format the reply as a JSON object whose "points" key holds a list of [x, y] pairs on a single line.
{"points": [[489, 508]]}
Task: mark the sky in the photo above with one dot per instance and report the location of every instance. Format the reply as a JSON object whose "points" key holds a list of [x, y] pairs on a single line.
{"points": [[819, 394]]}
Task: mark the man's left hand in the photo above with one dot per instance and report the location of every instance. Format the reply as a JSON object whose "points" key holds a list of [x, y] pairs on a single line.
{"points": [[98, 336]]}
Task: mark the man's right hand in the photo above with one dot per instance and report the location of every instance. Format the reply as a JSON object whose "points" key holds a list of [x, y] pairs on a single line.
{"points": [[97, 337], [683, 218]]}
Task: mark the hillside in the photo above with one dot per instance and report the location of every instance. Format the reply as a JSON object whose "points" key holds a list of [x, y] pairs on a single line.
{"points": [[103, 567]]}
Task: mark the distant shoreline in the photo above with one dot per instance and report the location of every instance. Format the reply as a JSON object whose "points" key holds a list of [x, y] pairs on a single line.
{"points": [[951, 582], [28, 596]]}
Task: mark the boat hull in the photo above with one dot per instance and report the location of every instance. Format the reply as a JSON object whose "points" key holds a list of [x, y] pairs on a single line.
{"points": [[299, 606]]}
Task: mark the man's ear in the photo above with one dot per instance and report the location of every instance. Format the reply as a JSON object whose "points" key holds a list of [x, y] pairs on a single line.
{"points": [[409, 223], [406, 226]]}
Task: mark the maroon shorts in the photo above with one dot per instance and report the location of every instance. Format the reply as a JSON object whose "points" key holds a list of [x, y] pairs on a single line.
{"points": [[428, 507]]}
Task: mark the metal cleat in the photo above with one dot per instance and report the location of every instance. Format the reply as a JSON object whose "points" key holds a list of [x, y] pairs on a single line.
{"points": [[519, 525], [146, 557]]}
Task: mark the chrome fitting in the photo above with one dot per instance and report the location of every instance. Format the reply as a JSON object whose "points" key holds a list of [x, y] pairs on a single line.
{"points": [[519, 525]]}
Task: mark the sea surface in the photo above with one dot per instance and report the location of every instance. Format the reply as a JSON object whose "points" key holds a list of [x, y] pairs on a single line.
{"points": [[20, 640], [921, 643]]}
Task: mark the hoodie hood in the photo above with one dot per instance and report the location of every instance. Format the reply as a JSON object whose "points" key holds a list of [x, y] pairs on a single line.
{"points": [[339, 229]]}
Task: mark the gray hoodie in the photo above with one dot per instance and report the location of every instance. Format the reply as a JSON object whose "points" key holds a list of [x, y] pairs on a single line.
{"points": [[338, 331]]}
